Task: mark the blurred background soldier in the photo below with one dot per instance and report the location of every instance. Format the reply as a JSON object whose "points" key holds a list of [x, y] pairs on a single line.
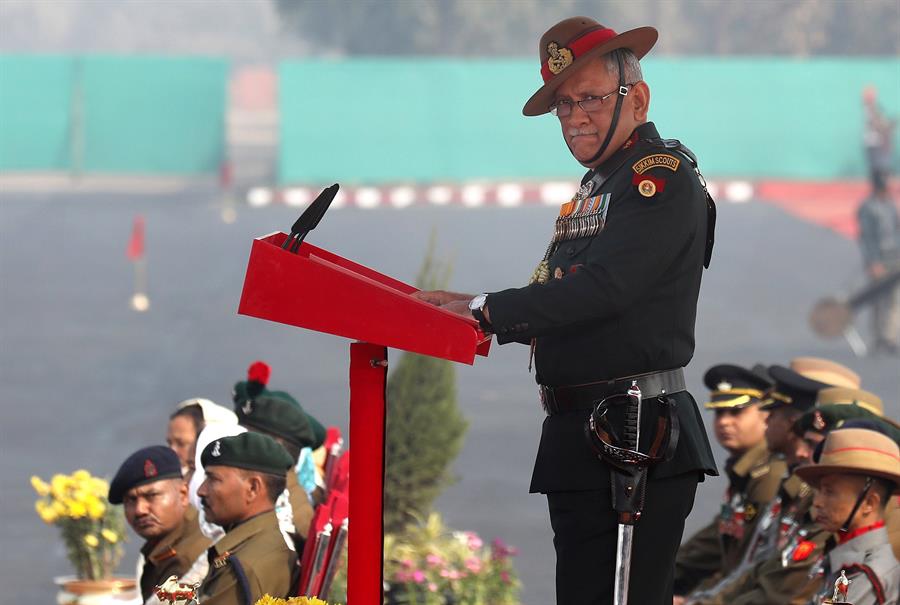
{"points": [[879, 240], [245, 475], [754, 476], [786, 546], [854, 476], [150, 485], [878, 137], [187, 422]]}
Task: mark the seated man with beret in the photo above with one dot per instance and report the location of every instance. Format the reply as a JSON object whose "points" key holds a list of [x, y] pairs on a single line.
{"points": [[245, 474], [150, 485], [854, 476], [283, 420]]}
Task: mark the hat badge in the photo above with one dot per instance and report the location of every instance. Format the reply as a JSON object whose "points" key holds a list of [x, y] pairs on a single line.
{"points": [[724, 386], [247, 408], [818, 421], [216, 450], [150, 468], [559, 59]]}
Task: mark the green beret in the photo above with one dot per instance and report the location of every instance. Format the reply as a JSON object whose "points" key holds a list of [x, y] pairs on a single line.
{"points": [[251, 451], [319, 431], [825, 418], [275, 415]]}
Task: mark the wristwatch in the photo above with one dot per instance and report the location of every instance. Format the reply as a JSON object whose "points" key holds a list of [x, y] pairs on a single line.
{"points": [[476, 306]]}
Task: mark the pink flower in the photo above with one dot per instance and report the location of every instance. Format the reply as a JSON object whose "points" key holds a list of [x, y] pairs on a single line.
{"points": [[474, 542], [407, 563], [434, 560], [418, 576], [402, 576], [473, 564], [504, 575], [450, 574], [432, 587]]}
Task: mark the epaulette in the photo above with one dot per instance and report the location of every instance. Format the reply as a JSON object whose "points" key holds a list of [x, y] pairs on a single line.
{"points": [[167, 554], [676, 145], [877, 587]]}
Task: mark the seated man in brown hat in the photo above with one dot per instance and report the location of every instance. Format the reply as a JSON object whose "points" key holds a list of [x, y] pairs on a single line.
{"points": [[245, 474], [854, 475], [150, 487], [611, 308]]}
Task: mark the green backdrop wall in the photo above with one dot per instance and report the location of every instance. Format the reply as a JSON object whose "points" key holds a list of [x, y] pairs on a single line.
{"points": [[112, 114], [378, 120]]}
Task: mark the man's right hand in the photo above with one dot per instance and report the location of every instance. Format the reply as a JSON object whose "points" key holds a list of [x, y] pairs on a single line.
{"points": [[441, 297], [678, 600]]}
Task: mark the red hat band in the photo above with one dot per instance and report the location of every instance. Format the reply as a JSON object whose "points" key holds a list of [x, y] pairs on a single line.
{"points": [[562, 57]]}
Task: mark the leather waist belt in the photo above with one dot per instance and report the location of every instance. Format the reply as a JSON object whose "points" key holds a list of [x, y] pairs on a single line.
{"points": [[557, 400]]}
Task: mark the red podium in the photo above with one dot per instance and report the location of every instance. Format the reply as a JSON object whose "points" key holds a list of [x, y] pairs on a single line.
{"points": [[321, 291]]}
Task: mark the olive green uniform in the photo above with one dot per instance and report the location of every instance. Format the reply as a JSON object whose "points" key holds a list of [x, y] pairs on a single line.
{"points": [[300, 506], [714, 551], [251, 560], [172, 555], [783, 552]]}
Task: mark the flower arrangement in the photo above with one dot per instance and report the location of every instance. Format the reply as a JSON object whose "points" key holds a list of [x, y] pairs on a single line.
{"points": [[432, 565], [92, 530], [267, 600]]}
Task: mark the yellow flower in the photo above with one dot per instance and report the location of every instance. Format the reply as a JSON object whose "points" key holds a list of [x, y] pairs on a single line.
{"points": [[109, 535], [81, 475], [59, 508], [91, 540], [45, 512], [59, 484], [99, 487], [95, 508], [76, 509], [42, 488]]}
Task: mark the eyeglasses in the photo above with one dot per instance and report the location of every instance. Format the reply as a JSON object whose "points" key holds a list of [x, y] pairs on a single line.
{"points": [[562, 109]]}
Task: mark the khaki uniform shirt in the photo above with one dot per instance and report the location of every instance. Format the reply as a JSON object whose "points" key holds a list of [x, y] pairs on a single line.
{"points": [[300, 505], [172, 555], [258, 547], [783, 553], [714, 551]]}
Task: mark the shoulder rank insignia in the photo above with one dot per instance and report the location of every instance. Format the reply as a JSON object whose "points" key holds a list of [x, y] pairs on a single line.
{"points": [[663, 160], [803, 550], [222, 560], [759, 471]]}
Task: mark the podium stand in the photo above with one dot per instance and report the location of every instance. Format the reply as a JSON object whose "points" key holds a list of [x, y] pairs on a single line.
{"points": [[321, 291]]}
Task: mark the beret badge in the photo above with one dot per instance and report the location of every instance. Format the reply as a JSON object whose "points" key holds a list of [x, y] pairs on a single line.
{"points": [[559, 59], [150, 469], [217, 451]]}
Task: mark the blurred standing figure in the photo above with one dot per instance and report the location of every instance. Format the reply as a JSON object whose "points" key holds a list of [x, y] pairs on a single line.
{"points": [[878, 136], [879, 240]]}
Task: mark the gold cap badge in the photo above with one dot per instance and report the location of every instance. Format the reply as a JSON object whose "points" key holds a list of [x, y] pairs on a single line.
{"points": [[559, 59]]}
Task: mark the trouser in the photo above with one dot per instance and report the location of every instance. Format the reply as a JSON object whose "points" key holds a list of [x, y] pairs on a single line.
{"points": [[886, 317], [585, 534]]}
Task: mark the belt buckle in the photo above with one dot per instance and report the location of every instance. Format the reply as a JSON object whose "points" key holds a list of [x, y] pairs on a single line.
{"points": [[547, 400]]}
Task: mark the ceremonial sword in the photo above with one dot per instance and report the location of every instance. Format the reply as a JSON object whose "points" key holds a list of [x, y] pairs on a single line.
{"points": [[624, 487]]}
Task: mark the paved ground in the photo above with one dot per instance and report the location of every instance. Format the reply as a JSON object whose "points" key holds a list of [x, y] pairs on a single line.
{"points": [[86, 380]]}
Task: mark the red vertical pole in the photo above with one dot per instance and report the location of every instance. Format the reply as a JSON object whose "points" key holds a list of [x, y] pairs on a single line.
{"points": [[365, 540]]}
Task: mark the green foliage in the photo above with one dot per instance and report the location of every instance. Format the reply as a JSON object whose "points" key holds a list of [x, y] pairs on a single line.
{"points": [[425, 427]]}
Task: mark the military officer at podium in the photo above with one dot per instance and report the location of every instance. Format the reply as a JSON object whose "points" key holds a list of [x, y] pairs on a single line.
{"points": [[613, 301]]}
